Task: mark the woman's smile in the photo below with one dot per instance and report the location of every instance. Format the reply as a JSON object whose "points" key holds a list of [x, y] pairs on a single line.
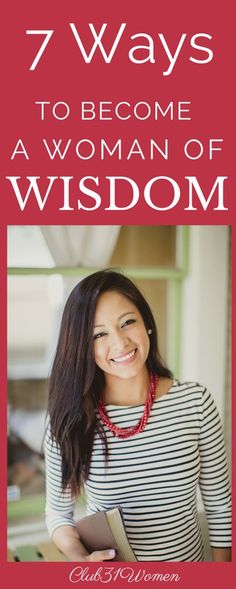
{"points": [[121, 342], [127, 358]]}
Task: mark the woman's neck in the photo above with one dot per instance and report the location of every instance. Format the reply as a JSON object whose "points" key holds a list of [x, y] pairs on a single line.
{"points": [[127, 391]]}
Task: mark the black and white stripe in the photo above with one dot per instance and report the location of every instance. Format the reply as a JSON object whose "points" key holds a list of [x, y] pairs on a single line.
{"points": [[153, 476]]}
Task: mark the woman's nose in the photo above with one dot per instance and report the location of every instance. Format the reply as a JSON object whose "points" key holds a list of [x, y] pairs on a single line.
{"points": [[119, 339]]}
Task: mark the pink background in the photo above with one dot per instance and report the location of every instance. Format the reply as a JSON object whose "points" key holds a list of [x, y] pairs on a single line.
{"points": [[62, 75]]}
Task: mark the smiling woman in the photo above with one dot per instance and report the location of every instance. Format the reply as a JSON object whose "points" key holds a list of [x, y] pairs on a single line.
{"points": [[121, 342], [126, 431]]}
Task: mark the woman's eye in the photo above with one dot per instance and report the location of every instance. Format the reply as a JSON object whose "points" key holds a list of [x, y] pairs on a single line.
{"points": [[98, 335], [128, 322]]}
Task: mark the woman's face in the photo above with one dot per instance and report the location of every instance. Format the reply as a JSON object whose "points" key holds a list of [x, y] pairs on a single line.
{"points": [[121, 342]]}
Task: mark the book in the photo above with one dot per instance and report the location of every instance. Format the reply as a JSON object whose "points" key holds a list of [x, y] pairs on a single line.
{"points": [[103, 530]]}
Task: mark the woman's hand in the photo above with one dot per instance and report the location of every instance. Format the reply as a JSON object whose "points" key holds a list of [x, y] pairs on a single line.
{"points": [[100, 555], [67, 540], [221, 554]]}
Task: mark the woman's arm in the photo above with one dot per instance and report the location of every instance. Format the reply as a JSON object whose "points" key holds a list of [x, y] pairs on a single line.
{"points": [[221, 554], [60, 508], [67, 540], [214, 483]]}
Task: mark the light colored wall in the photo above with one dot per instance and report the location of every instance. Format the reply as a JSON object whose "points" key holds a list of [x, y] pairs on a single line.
{"points": [[205, 316], [204, 310]]}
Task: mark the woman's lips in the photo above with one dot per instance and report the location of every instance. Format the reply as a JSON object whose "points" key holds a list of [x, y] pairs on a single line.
{"points": [[125, 357]]}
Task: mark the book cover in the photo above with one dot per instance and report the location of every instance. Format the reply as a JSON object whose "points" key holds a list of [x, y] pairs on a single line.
{"points": [[104, 529], [114, 113]]}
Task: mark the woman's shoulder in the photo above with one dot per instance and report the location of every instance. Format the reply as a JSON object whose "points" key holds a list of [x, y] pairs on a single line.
{"points": [[176, 390], [187, 384], [188, 389]]}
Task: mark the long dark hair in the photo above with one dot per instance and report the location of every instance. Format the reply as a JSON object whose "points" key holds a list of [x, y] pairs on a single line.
{"points": [[76, 382]]}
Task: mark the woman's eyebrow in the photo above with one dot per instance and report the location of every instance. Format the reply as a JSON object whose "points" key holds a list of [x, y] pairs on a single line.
{"points": [[128, 313], [120, 317]]}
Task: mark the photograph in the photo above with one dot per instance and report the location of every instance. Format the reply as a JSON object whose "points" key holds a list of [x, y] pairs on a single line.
{"points": [[116, 258], [119, 393]]}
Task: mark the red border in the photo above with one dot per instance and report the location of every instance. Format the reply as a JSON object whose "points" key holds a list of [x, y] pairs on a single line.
{"points": [[19, 120]]}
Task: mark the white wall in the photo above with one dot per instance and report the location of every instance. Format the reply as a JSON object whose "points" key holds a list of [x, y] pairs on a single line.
{"points": [[204, 311], [204, 320]]}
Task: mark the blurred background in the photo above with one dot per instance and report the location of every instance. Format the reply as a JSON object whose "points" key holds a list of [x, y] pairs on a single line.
{"points": [[184, 272]]}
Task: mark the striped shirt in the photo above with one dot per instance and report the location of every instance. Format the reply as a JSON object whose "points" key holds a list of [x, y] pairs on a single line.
{"points": [[154, 476]]}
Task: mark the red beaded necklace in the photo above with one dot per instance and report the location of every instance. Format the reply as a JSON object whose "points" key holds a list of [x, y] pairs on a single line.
{"points": [[127, 432]]}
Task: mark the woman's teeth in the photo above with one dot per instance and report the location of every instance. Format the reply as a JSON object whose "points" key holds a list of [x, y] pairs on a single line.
{"points": [[124, 358]]}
